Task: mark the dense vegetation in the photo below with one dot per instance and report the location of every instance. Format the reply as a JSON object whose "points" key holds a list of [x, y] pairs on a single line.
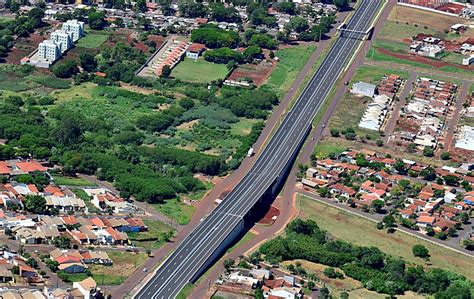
{"points": [[376, 270]]}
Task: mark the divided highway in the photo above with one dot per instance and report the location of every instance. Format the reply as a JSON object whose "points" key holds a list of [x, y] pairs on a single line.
{"points": [[197, 250]]}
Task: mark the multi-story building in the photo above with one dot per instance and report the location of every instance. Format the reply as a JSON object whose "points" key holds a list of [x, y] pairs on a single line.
{"points": [[49, 51], [63, 38], [75, 27]]}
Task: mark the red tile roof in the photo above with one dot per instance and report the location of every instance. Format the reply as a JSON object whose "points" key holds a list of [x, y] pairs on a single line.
{"points": [[31, 166]]}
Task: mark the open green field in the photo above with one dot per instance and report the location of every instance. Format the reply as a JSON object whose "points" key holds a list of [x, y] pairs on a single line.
{"points": [[152, 238], [395, 30], [322, 151], [176, 210], [351, 228], [200, 71], [375, 55], [291, 61], [372, 74], [125, 263], [243, 127], [92, 40], [71, 181]]}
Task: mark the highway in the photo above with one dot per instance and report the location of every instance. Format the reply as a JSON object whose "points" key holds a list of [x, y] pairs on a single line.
{"points": [[196, 250]]}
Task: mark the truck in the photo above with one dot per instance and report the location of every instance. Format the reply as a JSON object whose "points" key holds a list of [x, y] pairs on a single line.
{"points": [[250, 152]]}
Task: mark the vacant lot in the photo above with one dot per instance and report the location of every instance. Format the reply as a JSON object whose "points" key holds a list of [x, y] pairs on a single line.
{"points": [[396, 30], [71, 181], [434, 21], [348, 227], [92, 40], [258, 73], [291, 61], [350, 109], [176, 210], [200, 71], [125, 263]]}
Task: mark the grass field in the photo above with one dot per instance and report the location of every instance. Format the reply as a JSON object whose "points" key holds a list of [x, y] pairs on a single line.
{"points": [[176, 210], [395, 30], [350, 228], [92, 40], [243, 127], [200, 71], [150, 239], [125, 263], [323, 150], [185, 292], [434, 21], [292, 60], [373, 54], [71, 181]]}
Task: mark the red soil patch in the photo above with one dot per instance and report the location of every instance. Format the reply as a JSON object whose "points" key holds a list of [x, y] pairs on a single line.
{"points": [[127, 36], [270, 216], [257, 72], [451, 8], [23, 47], [424, 60]]}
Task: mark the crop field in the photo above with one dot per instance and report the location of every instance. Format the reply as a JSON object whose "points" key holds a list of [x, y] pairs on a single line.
{"points": [[199, 70]]}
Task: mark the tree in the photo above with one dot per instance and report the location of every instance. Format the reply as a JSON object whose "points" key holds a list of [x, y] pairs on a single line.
{"points": [[446, 156], [96, 19], [428, 173], [389, 221], [457, 290], [377, 205], [68, 131], [35, 204], [297, 24], [228, 264], [341, 4], [166, 71], [87, 61], [35, 16], [251, 53], [324, 293], [468, 244], [335, 132], [258, 294], [65, 69], [420, 251], [428, 151], [140, 6], [62, 242]]}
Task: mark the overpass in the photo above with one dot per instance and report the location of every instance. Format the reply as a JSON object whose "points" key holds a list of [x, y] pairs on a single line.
{"points": [[219, 229]]}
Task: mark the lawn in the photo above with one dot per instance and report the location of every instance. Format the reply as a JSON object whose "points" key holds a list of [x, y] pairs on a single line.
{"points": [[72, 181], [152, 238], [351, 228], [200, 71], [92, 40], [176, 210], [323, 150], [247, 237], [291, 61]]}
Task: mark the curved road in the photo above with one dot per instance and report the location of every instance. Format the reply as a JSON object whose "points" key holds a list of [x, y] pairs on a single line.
{"points": [[196, 250]]}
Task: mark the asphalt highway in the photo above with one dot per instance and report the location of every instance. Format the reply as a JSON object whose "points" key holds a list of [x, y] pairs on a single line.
{"points": [[196, 249]]}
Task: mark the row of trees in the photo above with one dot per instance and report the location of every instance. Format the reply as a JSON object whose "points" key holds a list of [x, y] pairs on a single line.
{"points": [[377, 271]]}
